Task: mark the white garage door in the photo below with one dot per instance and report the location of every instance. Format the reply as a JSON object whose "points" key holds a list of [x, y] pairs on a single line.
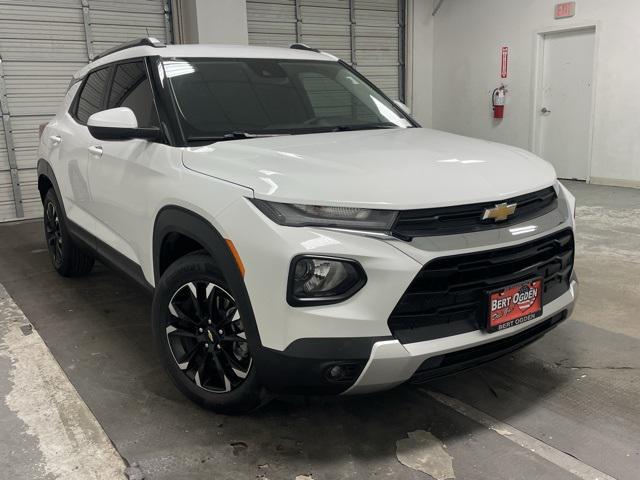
{"points": [[42, 43], [369, 34]]}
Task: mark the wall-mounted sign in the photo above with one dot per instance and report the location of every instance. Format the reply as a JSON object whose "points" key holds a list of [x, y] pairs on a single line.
{"points": [[504, 68], [565, 10]]}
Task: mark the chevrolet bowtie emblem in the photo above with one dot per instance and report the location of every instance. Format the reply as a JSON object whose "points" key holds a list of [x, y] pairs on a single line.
{"points": [[500, 212]]}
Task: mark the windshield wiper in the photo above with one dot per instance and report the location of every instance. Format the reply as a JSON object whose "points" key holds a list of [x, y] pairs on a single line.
{"points": [[369, 126], [232, 136], [239, 135]]}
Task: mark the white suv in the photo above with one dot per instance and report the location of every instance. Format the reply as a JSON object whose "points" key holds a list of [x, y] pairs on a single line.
{"points": [[298, 230]]}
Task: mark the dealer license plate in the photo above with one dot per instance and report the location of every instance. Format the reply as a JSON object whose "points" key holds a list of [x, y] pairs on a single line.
{"points": [[514, 305]]}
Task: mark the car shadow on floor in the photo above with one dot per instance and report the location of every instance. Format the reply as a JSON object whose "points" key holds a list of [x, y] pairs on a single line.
{"points": [[112, 363], [317, 433], [98, 329]]}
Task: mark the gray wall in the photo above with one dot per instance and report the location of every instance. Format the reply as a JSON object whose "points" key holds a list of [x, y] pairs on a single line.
{"points": [[466, 68], [420, 51], [210, 21]]}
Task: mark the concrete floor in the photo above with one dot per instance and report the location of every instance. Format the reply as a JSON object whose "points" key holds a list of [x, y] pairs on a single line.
{"points": [[48, 431], [576, 391]]}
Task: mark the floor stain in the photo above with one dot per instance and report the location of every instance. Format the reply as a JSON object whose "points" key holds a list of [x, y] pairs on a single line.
{"points": [[423, 452]]}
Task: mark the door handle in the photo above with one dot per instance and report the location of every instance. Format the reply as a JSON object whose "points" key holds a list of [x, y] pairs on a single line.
{"points": [[55, 140], [95, 150], [545, 110]]}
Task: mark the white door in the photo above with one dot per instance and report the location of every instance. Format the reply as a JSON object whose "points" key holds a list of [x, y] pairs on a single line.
{"points": [[120, 171], [564, 101]]}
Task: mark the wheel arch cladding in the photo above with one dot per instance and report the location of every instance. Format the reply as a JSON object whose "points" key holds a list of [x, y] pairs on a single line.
{"points": [[46, 180], [174, 220]]}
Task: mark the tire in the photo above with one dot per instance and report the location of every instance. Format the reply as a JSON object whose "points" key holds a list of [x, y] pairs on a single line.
{"points": [[198, 332], [68, 259]]}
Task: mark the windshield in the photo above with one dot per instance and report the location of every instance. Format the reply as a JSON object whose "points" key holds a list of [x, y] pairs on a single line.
{"points": [[238, 98]]}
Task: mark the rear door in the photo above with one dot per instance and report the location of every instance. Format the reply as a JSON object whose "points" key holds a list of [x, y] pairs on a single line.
{"points": [[73, 140]]}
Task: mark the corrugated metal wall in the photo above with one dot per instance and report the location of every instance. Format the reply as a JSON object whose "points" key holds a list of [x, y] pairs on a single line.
{"points": [[42, 43], [369, 34]]}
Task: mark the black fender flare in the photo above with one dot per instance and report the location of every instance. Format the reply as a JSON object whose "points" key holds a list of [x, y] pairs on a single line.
{"points": [[175, 219], [45, 169]]}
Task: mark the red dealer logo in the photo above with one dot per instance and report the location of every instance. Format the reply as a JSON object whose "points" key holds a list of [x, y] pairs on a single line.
{"points": [[514, 305]]}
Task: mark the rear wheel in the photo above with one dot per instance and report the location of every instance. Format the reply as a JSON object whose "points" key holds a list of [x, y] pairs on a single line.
{"points": [[67, 257], [201, 338]]}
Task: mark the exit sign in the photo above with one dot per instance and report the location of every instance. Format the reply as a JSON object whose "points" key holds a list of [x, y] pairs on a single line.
{"points": [[565, 10]]}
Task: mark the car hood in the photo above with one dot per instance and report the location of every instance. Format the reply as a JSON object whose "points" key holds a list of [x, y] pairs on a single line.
{"points": [[391, 168]]}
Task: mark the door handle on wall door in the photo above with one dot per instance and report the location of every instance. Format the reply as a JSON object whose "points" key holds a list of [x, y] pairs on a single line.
{"points": [[55, 140], [95, 150], [545, 110]]}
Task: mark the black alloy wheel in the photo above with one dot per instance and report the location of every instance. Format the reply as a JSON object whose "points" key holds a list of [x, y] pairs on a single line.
{"points": [[207, 338], [67, 257], [53, 233]]}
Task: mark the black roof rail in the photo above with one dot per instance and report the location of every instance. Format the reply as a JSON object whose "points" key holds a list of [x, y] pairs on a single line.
{"points": [[302, 46], [138, 42]]}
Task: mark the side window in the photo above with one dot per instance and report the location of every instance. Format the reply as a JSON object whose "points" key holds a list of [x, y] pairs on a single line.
{"points": [[131, 89], [90, 100]]}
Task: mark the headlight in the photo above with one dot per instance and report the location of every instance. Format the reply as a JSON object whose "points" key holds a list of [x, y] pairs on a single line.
{"points": [[295, 215], [323, 280]]}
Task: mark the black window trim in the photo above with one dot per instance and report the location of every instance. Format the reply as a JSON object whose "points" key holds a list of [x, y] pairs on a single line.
{"points": [[165, 103], [73, 108]]}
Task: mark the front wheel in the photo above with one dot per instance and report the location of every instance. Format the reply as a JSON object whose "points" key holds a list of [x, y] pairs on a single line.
{"points": [[201, 338]]}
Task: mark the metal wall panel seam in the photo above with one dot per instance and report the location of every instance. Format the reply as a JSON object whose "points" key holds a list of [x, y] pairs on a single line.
{"points": [[352, 31], [88, 37], [298, 21], [401, 49], [167, 21], [11, 151]]}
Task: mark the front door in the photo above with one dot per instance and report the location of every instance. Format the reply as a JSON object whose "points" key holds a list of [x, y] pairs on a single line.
{"points": [[564, 106], [120, 171]]}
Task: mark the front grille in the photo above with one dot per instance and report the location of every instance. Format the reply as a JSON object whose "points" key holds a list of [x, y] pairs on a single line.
{"points": [[449, 294], [468, 218]]}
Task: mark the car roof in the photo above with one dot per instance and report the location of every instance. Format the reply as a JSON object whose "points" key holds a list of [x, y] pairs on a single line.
{"points": [[207, 51]]}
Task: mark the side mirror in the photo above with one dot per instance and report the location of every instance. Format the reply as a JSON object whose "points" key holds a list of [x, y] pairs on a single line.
{"points": [[119, 124], [403, 107]]}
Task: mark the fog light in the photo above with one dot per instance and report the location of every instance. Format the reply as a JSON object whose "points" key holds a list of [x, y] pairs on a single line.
{"points": [[336, 372], [343, 372], [323, 280]]}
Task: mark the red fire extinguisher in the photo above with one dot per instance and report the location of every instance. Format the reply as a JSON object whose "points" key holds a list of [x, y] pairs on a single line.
{"points": [[498, 99]]}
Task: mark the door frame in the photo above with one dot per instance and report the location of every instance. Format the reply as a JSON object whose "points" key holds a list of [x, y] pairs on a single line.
{"points": [[537, 78]]}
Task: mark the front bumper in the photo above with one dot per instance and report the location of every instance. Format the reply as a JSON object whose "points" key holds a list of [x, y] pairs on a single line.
{"points": [[392, 363], [297, 345]]}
